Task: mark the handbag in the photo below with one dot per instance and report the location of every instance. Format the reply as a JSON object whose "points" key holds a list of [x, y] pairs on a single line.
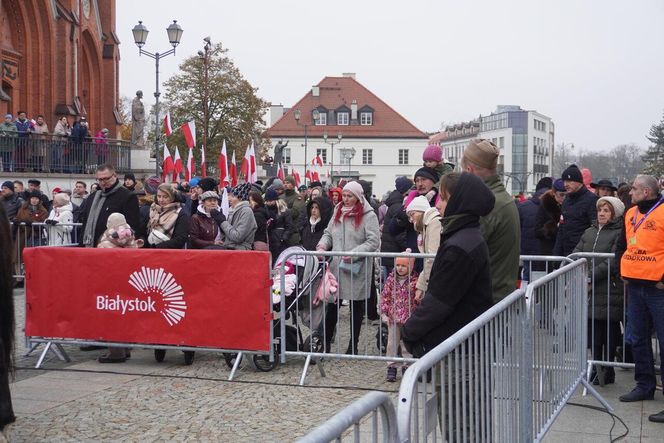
{"points": [[156, 237], [352, 267]]}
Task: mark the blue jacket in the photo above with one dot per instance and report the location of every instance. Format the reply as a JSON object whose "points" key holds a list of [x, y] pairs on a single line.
{"points": [[578, 213], [527, 217]]}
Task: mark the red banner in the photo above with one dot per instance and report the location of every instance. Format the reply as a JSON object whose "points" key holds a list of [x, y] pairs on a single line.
{"points": [[218, 299]]}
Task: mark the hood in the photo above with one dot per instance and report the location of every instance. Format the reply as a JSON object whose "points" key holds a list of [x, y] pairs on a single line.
{"points": [[238, 207], [472, 197], [394, 198], [325, 206], [201, 210], [548, 201], [67, 207]]}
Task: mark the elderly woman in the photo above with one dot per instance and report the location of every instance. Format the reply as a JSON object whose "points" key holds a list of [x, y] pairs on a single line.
{"points": [[168, 224], [204, 231], [353, 228], [60, 221], [459, 287], [606, 302], [237, 231]]}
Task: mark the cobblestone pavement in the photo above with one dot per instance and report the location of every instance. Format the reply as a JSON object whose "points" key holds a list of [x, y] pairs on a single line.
{"points": [[142, 400]]}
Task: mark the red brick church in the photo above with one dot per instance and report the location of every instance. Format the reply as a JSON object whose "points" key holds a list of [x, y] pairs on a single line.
{"points": [[60, 57]]}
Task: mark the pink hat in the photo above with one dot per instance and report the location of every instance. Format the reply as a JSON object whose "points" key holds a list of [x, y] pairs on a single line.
{"points": [[356, 189], [433, 153]]}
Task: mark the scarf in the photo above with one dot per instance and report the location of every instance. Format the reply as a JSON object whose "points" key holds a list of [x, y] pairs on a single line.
{"points": [[162, 218], [313, 222], [95, 209]]}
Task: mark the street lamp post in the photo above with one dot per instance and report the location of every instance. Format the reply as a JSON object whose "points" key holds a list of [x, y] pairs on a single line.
{"points": [[348, 154], [140, 32], [298, 115], [332, 143], [205, 56]]}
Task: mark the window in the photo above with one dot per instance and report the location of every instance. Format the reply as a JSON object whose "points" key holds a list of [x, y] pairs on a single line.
{"points": [[366, 119], [342, 118], [322, 152], [501, 142], [367, 156], [322, 119], [286, 156], [403, 156]]}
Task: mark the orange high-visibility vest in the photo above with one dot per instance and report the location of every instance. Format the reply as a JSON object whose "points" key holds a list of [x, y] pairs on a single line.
{"points": [[644, 257]]}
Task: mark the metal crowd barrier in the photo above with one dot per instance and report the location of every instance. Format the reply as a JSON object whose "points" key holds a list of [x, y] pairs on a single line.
{"points": [[55, 154], [537, 266], [41, 234], [506, 375], [370, 407], [333, 329]]}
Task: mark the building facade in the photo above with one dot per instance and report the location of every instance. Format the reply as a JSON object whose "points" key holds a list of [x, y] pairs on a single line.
{"points": [[377, 144], [525, 139], [60, 57]]}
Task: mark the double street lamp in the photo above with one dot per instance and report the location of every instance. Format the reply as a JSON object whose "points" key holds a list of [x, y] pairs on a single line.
{"points": [[332, 143], [298, 115], [140, 32]]}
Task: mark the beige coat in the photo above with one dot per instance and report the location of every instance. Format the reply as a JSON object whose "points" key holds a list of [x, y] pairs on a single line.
{"points": [[430, 241]]}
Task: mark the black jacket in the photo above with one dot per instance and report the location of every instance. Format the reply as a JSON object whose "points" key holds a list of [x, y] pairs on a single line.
{"points": [[579, 212], [123, 201], [460, 283], [180, 235], [261, 216], [546, 222], [12, 205], [311, 237], [392, 242], [528, 219], [279, 230]]}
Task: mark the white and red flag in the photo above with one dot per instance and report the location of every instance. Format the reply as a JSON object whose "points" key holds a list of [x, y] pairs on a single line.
{"points": [[203, 165], [248, 167], [280, 172], [189, 132], [232, 171], [296, 176], [316, 164], [167, 165], [168, 129], [222, 166], [224, 206], [190, 170], [177, 165]]}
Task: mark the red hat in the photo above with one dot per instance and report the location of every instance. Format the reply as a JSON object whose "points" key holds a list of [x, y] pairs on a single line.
{"points": [[57, 190], [433, 153]]}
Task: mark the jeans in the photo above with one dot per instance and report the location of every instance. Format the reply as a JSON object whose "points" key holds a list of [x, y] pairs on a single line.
{"points": [[645, 309]]}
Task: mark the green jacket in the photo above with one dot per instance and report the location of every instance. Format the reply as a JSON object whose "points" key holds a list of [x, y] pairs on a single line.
{"points": [[8, 134], [502, 233]]}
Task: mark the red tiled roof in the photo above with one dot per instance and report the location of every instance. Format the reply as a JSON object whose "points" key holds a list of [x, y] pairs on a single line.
{"points": [[336, 92]]}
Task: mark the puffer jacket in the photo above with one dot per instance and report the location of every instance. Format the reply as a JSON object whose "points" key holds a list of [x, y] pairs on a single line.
{"points": [[578, 214], [528, 219], [428, 243], [60, 233], [603, 239], [239, 228]]}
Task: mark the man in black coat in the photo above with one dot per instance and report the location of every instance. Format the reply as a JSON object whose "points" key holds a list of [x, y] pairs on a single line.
{"points": [[527, 218], [578, 212], [460, 283], [111, 197], [394, 203]]}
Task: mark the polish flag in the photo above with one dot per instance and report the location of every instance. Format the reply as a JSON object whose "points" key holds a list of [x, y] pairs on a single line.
{"points": [[280, 173], [233, 171], [203, 165], [190, 170], [248, 167], [296, 176], [167, 166], [224, 206], [222, 166], [177, 165], [316, 164], [168, 129], [189, 131]]}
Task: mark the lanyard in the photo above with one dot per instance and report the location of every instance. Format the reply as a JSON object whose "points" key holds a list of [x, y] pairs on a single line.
{"points": [[635, 224]]}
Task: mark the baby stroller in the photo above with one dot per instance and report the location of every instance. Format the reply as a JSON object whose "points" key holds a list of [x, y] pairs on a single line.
{"points": [[303, 275]]}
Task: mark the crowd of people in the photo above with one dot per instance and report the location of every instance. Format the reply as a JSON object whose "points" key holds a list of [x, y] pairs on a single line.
{"points": [[28, 145], [468, 220]]}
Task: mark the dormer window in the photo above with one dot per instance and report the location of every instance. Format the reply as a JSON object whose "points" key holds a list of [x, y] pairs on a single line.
{"points": [[321, 120], [342, 118], [366, 118]]}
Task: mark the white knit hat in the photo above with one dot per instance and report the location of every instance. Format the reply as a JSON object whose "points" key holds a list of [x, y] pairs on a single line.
{"points": [[419, 203], [618, 205]]}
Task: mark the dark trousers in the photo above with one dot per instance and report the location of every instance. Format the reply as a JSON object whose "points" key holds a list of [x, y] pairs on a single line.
{"points": [[645, 303], [357, 308], [604, 342]]}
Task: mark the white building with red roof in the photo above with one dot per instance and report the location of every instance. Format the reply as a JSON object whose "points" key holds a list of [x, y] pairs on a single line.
{"points": [[377, 144]]}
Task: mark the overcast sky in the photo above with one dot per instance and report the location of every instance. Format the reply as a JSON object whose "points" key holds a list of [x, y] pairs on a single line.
{"points": [[595, 67]]}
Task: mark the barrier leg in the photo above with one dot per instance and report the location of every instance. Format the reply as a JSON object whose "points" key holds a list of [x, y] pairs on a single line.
{"points": [[321, 370], [43, 355], [236, 365], [588, 372], [61, 353], [307, 362], [32, 347], [594, 393]]}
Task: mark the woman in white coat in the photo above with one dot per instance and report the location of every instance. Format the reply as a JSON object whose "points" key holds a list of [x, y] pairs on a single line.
{"points": [[60, 221]]}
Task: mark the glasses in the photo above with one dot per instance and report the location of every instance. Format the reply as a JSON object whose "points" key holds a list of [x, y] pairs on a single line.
{"points": [[105, 179]]}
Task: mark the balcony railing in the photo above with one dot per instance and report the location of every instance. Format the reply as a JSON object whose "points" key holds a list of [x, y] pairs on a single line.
{"points": [[55, 154]]}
